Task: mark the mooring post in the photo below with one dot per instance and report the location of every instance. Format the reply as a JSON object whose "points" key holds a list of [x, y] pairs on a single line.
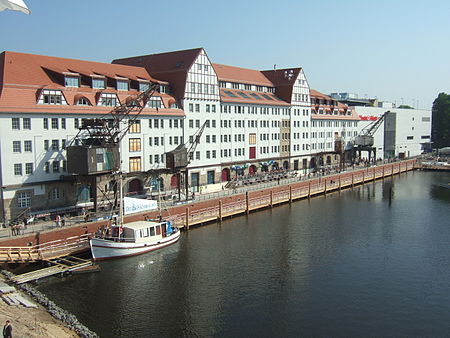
{"points": [[363, 177], [220, 210], [352, 179], [247, 206], [325, 187], [187, 218], [340, 184], [309, 189], [271, 198], [290, 194]]}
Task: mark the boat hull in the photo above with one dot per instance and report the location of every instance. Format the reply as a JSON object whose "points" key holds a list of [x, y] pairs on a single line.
{"points": [[102, 249]]}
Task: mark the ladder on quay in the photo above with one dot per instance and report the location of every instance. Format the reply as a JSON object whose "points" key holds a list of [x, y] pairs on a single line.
{"points": [[60, 265]]}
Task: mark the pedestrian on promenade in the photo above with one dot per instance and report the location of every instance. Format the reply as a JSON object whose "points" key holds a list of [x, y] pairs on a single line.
{"points": [[58, 220], [63, 221], [7, 330]]}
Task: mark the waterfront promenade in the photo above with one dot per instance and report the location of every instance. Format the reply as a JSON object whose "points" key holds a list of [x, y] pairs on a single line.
{"points": [[219, 205]]}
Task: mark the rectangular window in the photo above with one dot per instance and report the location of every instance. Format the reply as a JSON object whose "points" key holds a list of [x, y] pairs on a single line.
{"points": [[63, 123], [135, 127], [98, 83], [45, 123], [72, 81], [47, 167], [63, 144], [27, 146], [28, 168], [143, 86], [122, 85], [197, 155], [156, 123], [410, 137], [55, 145], [23, 199], [135, 164], [54, 123], [26, 123], [17, 148], [197, 107], [46, 145], [64, 165], [17, 169], [135, 144], [207, 108], [156, 141], [15, 123], [55, 166], [213, 108]]}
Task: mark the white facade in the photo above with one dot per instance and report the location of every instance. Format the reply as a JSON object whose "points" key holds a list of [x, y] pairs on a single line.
{"points": [[412, 129]]}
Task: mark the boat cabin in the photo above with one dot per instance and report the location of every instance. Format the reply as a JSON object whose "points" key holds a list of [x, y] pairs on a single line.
{"points": [[142, 231]]}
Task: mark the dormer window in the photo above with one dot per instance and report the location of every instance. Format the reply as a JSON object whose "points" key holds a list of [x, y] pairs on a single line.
{"points": [[82, 101], [155, 102], [163, 89], [122, 85], [108, 100], [98, 83], [52, 97], [143, 86], [72, 81]]}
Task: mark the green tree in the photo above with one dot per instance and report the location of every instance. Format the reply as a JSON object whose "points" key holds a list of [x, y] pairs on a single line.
{"points": [[405, 106], [440, 126]]}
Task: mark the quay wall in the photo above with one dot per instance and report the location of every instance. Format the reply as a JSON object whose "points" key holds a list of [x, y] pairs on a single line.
{"points": [[201, 212]]}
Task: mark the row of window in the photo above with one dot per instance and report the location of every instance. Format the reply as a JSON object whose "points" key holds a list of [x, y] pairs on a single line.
{"points": [[209, 108], [202, 88], [101, 83], [255, 110], [24, 197], [26, 123], [244, 86], [29, 167]]}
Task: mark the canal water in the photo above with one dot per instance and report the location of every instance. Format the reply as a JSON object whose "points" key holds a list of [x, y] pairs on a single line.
{"points": [[369, 261]]}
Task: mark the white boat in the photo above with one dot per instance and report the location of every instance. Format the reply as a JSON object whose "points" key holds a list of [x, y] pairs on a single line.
{"points": [[133, 238]]}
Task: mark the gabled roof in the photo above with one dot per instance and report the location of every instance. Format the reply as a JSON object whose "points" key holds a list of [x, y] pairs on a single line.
{"points": [[241, 75], [171, 67], [31, 69], [24, 76]]}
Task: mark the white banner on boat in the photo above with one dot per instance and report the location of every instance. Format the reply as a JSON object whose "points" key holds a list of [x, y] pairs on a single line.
{"points": [[133, 205]]}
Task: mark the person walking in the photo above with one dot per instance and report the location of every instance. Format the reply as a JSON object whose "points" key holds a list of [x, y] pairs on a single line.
{"points": [[7, 330], [58, 220]]}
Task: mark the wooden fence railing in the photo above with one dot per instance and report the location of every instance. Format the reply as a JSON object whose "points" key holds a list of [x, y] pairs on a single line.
{"points": [[289, 193]]}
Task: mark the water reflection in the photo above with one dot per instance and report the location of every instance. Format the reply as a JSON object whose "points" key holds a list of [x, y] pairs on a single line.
{"points": [[369, 259]]}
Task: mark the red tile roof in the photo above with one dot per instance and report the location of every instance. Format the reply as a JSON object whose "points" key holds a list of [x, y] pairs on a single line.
{"points": [[342, 109], [171, 67], [232, 96], [23, 76], [241, 75]]}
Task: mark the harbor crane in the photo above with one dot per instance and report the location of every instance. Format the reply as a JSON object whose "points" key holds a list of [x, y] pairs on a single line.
{"points": [[365, 140], [179, 159], [94, 151]]}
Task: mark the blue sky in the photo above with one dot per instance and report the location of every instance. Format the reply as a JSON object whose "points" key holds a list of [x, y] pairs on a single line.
{"points": [[395, 50]]}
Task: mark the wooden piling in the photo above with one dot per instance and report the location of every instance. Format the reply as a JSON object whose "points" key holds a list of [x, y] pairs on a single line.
{"points": [[187, 218], [247, 205]]}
